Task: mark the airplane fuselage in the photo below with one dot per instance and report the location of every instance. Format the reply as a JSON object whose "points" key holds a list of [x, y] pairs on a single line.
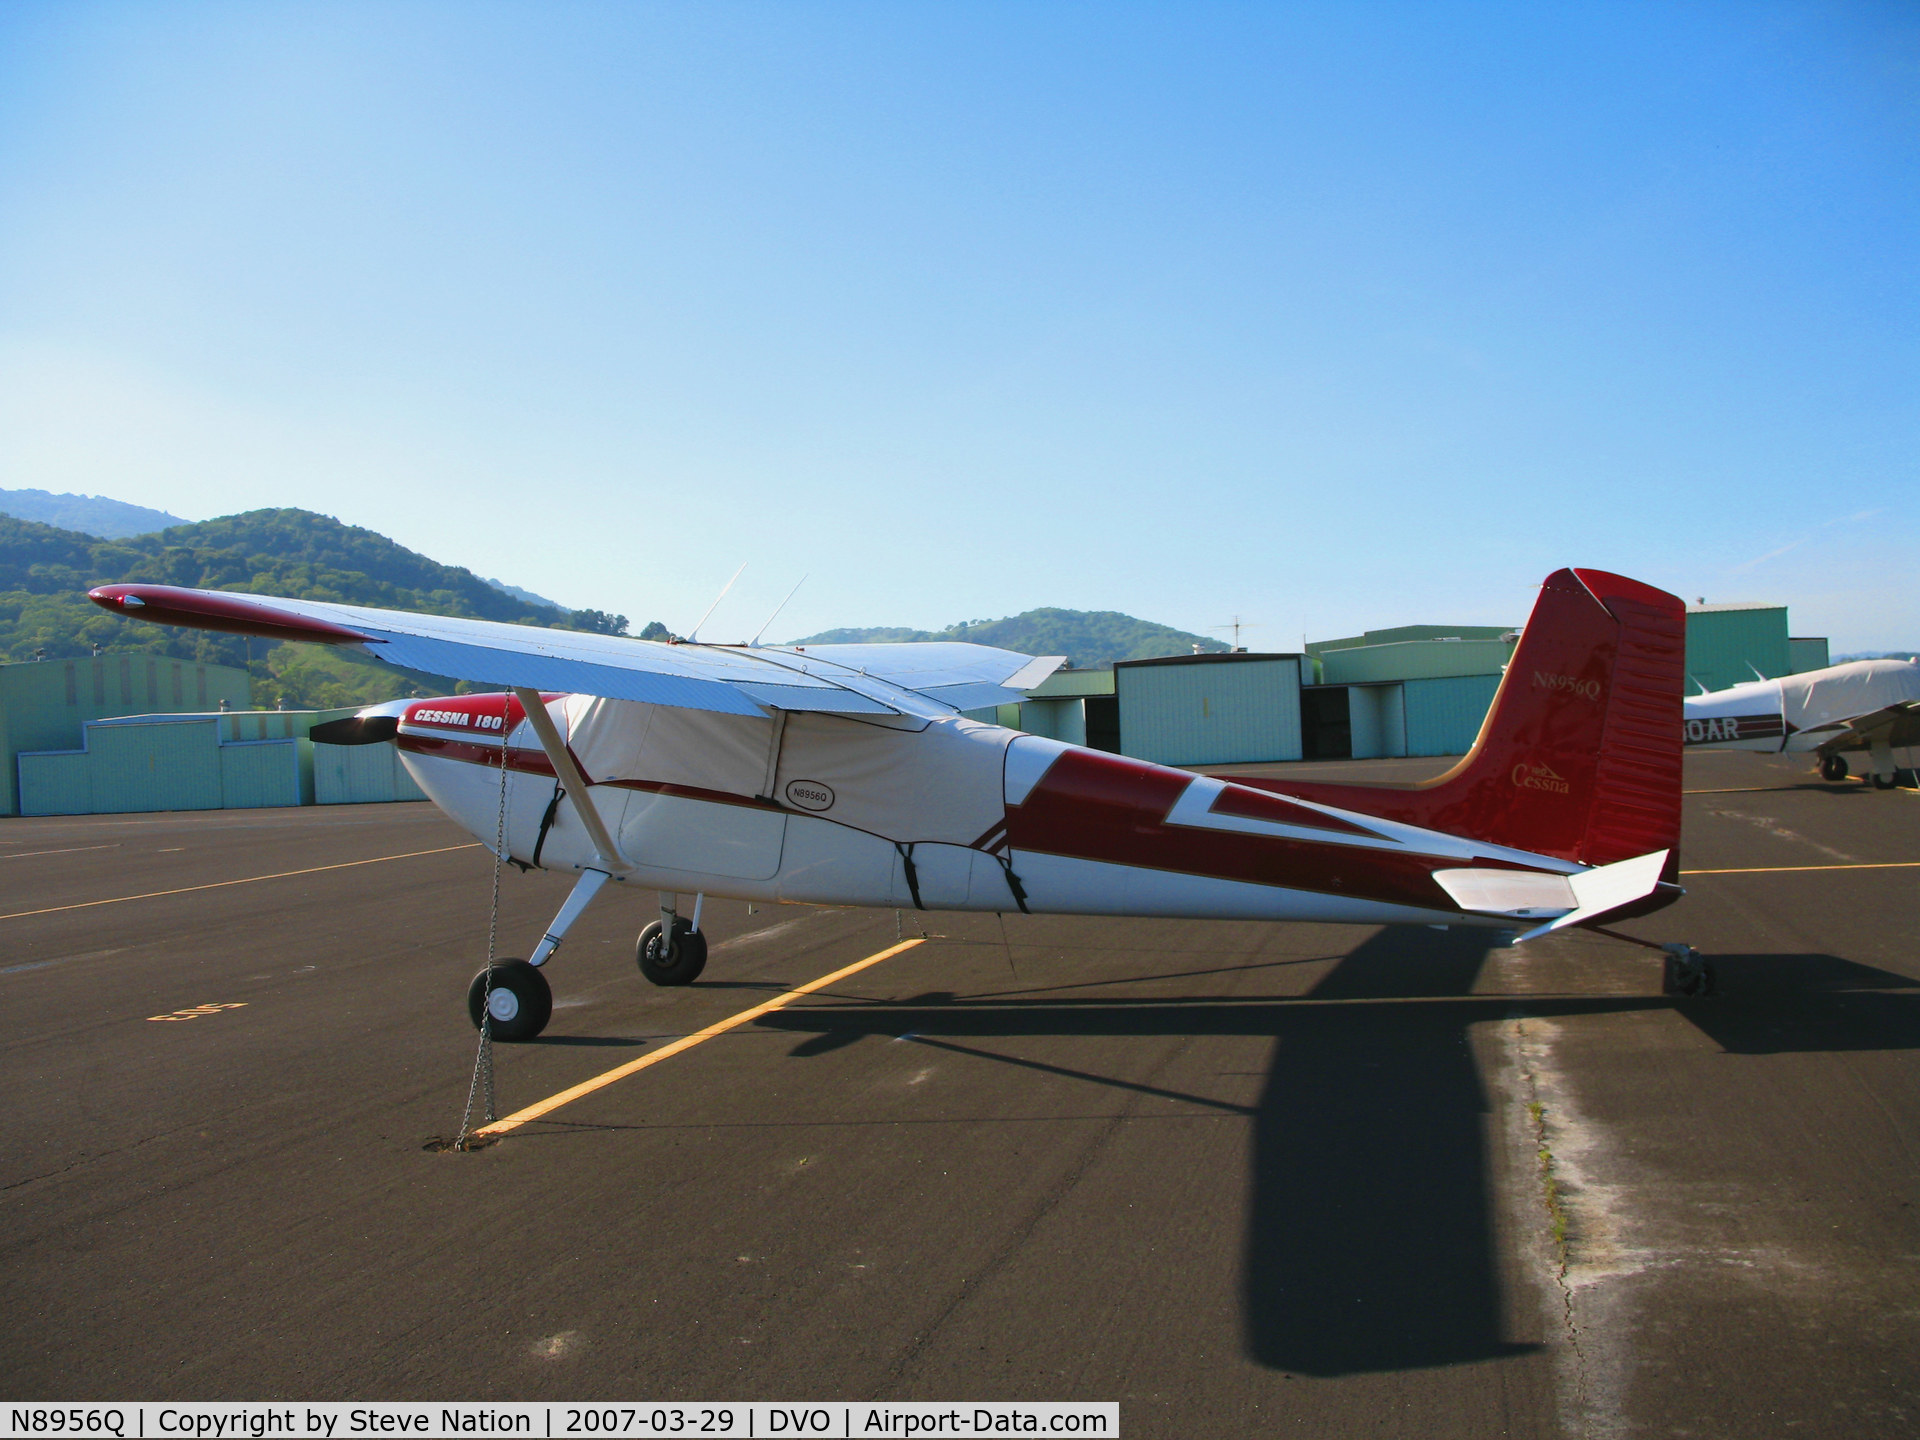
{"points": [[940, 814]]}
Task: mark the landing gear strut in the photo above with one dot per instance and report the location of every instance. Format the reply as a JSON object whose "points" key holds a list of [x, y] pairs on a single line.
{"points": [[1685, 972]]}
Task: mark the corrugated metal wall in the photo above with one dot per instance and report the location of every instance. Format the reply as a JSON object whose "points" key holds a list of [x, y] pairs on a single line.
{"points": [[44, 704], [208, 762], [162, 765], [1377, 720], [1443, 716], [1414, 660], [1057, 719], [258, 773], [59, 783], [1210, 713], [360, 774], [1726, 647], [1807, 653]]}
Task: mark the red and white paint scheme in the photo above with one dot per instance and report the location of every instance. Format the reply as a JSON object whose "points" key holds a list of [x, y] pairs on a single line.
{"points": [[1870, 705], [845, 774]]}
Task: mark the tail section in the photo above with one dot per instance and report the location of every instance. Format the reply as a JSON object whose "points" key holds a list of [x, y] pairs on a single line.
{"points": [[1579, 757]]}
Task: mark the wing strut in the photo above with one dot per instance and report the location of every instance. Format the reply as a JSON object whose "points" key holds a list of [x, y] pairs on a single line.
{"points": [[561, 759]]}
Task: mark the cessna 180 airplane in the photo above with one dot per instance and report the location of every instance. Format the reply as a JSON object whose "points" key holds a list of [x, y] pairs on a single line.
{"points": [[846, 775], [1870, 705]]}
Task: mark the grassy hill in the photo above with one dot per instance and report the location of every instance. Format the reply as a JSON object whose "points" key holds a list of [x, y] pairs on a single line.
{"points": [[1089, 639], [46, 571]]}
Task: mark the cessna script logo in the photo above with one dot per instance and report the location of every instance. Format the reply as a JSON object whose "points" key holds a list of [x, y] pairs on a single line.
{"points": [[456, 717], [1539, 777], [1566, 684]]}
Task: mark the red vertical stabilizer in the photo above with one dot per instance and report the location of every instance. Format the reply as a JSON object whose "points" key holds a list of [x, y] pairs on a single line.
{"points": [[1579, 757]]}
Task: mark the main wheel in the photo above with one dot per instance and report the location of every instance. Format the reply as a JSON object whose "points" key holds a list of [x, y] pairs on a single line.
{"points": [[1833, 767], [1886, 782], [520, 1002], [684, 959]]}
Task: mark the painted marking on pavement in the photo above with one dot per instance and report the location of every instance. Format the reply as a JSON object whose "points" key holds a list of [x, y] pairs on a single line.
{"points": [[1783, 869], [195, 1012], [247, 880], [70, 850], [699, 1037]]}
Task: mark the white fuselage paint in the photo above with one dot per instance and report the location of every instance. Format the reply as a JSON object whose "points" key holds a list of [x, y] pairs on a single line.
{"points": [[756, 852]]}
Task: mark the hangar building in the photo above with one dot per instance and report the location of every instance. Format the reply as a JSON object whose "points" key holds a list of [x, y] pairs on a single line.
{"points": [[44, 703], [1412, 690]]}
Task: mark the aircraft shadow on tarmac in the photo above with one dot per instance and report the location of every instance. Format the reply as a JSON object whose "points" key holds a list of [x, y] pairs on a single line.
{"points": [[1369, 1242]]}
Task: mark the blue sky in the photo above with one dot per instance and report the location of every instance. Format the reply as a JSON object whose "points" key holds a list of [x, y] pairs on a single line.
{"points": [[1328, 316]]}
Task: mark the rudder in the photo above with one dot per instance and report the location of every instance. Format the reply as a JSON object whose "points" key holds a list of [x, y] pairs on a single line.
{"points": [[1579, 755]]}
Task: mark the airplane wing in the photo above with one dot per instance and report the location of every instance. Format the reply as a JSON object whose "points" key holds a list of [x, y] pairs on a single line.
{"points": [[729, 679], [1896, 725]]}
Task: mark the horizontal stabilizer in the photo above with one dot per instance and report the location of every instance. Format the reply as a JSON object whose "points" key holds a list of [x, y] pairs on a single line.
{"points": [[1521, 894], [1610, 888]]}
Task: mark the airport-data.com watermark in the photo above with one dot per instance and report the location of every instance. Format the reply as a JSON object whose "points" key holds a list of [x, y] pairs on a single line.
{"points": [[746, 1420]]}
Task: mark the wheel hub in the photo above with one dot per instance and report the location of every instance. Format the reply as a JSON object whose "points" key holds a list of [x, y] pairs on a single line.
{"points": [[503, 1004]]}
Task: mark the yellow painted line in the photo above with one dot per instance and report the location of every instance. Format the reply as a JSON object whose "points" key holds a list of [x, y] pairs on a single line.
{"points": [[1784, 869], [196, 1011], [248, 880], [699, 1037]]}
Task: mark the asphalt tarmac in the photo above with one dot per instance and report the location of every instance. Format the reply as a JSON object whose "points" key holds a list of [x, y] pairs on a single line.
{"points": [[1245, 1179]]}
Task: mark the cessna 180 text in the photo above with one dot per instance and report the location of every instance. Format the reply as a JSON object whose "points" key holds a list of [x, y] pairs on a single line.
{"points": [[1870, 705], [845, 774]]}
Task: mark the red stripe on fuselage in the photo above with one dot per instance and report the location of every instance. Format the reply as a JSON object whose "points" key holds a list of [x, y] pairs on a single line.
{"points": [[1094, 806]]}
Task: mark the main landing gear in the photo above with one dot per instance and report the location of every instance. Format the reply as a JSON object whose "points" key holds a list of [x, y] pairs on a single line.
{"points": [[684, 959], [684, 955], [1686, 972], [519, 1002], [1833, 767]]}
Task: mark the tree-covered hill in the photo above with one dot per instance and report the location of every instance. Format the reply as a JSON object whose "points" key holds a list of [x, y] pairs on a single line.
{"points": [[45, 573], [1089, 639]]}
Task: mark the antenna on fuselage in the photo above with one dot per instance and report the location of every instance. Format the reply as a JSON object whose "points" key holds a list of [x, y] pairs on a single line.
{"points": [[777, 609], [694, 634]]}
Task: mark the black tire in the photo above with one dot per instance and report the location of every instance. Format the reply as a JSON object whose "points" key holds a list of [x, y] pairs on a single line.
{"points": [[1833, 767], [1886, 782], [522, 1002], [682, 963]]}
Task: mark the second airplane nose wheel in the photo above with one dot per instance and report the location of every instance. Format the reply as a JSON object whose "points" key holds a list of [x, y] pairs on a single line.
{"points": [[520, 1002], [683, 960]]}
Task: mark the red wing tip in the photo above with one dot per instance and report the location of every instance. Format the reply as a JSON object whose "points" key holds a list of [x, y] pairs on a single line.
{"points": [[216, 610]]}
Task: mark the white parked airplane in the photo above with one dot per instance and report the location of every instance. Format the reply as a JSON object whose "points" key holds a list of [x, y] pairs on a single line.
{"points": [[1870, 705], [845, 774]]}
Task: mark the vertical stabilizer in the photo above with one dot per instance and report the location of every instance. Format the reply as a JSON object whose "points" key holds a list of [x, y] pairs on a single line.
{"points": [[1579, 756]]}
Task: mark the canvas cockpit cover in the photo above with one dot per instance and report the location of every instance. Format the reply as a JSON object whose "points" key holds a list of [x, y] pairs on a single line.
{"points": [[939, 783], [1849, 692]]}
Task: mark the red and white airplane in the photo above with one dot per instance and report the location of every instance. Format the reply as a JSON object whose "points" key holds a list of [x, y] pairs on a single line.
{"points": [[845, 775]]}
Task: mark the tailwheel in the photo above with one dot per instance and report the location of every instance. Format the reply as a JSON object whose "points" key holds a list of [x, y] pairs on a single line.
{"points": [[1833, 767], [519, 1004], [683, 959], [1686, 972]]}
